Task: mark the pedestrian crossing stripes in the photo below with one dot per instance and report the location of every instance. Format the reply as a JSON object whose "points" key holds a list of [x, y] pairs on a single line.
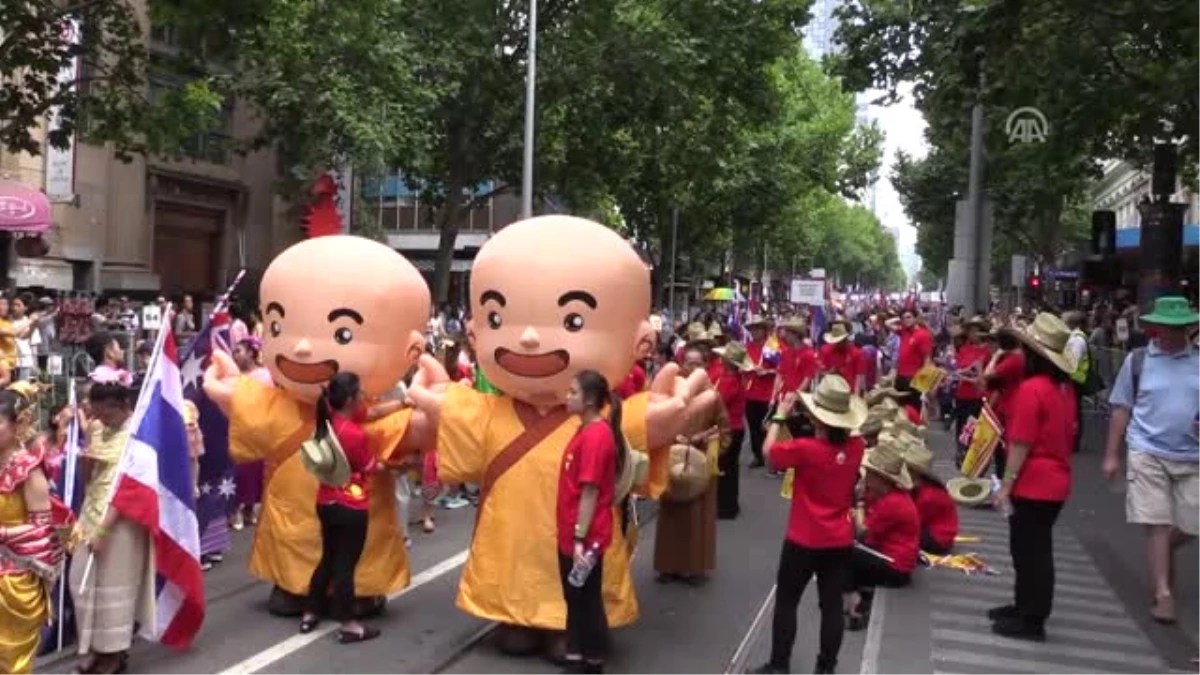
{"points": [[1090, 630]]}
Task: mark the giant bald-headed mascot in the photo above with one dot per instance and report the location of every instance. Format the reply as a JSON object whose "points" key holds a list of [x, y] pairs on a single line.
{"points": [[550, 297], [330, 304]]}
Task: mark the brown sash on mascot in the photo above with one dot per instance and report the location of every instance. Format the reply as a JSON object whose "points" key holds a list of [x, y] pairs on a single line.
{"points": [[537, 429]]}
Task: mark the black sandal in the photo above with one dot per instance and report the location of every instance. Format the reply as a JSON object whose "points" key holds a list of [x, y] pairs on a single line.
{"points": [[308, 625], [368, 633]]}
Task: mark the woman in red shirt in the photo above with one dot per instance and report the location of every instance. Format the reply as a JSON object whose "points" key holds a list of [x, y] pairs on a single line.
{"points": [[936, 509], [342, 510], [586, 486], [820, 536], [891, 527], [732, 389], [970, 359], [1041, 436], [1002, 377]]}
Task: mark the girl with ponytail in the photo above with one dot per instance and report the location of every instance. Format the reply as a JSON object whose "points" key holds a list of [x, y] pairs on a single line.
{"points": [[587, 485]]}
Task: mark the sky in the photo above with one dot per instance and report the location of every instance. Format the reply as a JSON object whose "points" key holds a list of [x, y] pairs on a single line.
{"points": [[904, 129]]}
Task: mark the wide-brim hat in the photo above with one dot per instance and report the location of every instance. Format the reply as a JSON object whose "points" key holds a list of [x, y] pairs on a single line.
{"points": [[977, 321], [716, 332], [688, 473], [969, 491], [696, 334], [326, 460], [757, 320], [918, 457], [887, 460], [900, 424], [876, 418], [794, 324], [833, 404], [837, 333], [735, 354], [880, 394], [1047, 336], [1171, 310]]}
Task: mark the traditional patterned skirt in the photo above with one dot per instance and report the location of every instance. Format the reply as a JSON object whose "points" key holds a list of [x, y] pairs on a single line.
{"points": [[119, 590]]}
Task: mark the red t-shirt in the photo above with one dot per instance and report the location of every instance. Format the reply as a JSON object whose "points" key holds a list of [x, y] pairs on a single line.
{"points": [[1042, 416], [914, 415], [894, 529], [844, 359], [916, 345], [353, 494], [938, 513], [634, 382], [714, 369], [967, 355], [797, 365], [733, 393], [590, 459], [759, 387], [1006, 378], [822, 491]]}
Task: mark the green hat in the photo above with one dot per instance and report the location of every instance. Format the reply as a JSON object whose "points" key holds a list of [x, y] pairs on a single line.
{"points": [[1172, 310]]}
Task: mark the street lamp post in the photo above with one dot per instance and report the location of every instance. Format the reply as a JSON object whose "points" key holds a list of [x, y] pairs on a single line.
{"points": [[530, 89]]}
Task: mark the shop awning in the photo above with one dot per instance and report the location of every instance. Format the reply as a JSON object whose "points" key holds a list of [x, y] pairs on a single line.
{"points": [[23, 209]]}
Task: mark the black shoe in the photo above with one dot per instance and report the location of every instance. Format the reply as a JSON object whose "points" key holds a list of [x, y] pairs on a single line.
{"points": [[824, 667], [307, 625], [770, 669], [1020, 629], [1002, 612], [348, 637], [757, 463]]}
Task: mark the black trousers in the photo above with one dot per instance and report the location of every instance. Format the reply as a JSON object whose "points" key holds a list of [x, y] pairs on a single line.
{"points": [[931, 546], [1000, 459], [343, 535], [1078, 417], [1031, 542], [587, 624], [964, 409], [868, 571], [727, 485], [756, 414], [914, 397], [797, 565]]}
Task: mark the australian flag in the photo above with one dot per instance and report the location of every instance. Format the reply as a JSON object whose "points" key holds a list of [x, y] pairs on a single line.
{"points": [[216, 481]]}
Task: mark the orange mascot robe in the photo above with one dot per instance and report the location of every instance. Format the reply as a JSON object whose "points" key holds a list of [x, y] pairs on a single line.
{"points": [[269, 424], [512, 571]]}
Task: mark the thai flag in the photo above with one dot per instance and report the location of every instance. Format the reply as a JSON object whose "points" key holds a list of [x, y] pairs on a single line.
{"points": [[154, 489]]}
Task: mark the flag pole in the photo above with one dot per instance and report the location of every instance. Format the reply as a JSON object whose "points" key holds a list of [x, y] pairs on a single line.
{"points": [[68, 492], [222, 304], [142, 401]]}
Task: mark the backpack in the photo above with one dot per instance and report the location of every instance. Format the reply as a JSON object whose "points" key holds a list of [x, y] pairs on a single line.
{"points": [[1094, 384], [1135, 370]]}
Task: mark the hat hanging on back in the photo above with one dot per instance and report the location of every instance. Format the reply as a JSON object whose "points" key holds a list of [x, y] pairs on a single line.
{"points": [[834, 405], [326, 460]]}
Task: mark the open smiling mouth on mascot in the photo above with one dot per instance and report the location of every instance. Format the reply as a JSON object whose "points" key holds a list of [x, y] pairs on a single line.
{"points": [[306, 373], [533, 365]]}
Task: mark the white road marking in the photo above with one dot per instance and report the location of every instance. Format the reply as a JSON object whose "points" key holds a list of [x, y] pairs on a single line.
{"points": [[300, 641], [744, 647], [870, 654]]}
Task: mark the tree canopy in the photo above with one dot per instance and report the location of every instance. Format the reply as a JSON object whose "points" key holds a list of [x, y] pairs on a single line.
{"points": [[1110, 78]]}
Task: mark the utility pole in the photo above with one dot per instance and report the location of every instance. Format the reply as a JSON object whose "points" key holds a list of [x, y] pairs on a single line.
{"points": [[1161, 246], [530, 89]]}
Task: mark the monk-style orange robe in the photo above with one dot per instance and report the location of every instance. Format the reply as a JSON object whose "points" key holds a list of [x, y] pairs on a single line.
{"points": [[512, 571], [270, 425]]}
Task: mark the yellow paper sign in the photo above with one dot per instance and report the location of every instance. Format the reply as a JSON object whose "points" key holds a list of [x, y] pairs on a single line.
{"points": [[984, 440], [785, 490], [927, 379]]}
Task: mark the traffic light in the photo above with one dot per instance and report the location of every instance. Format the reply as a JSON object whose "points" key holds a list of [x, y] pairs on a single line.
{"points": [[1035, 282]]}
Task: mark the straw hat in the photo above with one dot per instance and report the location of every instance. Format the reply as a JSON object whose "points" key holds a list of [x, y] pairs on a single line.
{"points": [[834, 405], [969, 491], [880, 394], [757, 320], [1047, 336], [716, 331], [887, 460], [876, 418], [918, 457], [795, 324], [837, 333], [696, 333], [900, 424], [978, 321], [735, 355], [325, 460], [687, 473]]}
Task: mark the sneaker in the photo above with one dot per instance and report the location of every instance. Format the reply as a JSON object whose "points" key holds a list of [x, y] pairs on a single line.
{"points": [[1002, 612], [456, 502], [206, 565], [1020, 629], [757, 463], [236, 521]]}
